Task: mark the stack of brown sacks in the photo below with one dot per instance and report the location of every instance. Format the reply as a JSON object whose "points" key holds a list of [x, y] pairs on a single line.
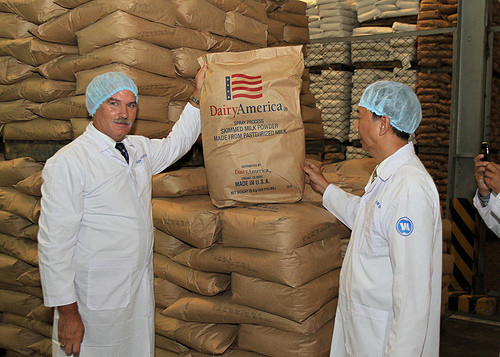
{"points": [[435, 53], [155, 42], [280, 260], [26, 326], [22, 58]]}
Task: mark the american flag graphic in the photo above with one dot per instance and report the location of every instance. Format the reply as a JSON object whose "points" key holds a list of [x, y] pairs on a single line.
{"points": [[243, 86]]}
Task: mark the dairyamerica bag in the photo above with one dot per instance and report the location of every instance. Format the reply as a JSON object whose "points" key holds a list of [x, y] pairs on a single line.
{"points": [[253, 136]]}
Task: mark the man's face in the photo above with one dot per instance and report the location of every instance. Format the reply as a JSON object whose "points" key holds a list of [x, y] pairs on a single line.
{"points": [[367, 128], [116, 115]]}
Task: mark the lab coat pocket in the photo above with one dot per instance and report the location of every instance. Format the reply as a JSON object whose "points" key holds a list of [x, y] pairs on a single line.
{"points": [[366, 331], [109, 282]]}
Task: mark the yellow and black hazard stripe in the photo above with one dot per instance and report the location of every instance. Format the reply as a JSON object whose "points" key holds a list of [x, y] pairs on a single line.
{"points": [[462, 244]]}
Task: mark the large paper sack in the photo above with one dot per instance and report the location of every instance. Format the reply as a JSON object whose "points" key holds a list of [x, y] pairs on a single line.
{"points": [[253, 136]]}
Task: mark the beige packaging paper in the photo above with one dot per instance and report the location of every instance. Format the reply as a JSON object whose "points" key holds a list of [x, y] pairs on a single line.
{"points": [[295, 304], [12, 70], [245, 28], [166, 293], [186, 64], [170, 345], [38, 129], [205, 338], [254, 9], [15, 111], [13, 171], [200, 282], [276, 342], [61, 68], [168, 245], [253, 135], [279, 227], [176, 183], [13, 26], [199, 15], [36, 12]]}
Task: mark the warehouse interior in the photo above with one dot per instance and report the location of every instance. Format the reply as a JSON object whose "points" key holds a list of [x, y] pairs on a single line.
{"points": [[221, 289]]}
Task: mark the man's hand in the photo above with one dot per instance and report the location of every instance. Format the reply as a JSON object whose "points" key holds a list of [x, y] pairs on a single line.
{"points": [[479, 170], [492, 176], [200, 78], [70, 329], [314, 177]]}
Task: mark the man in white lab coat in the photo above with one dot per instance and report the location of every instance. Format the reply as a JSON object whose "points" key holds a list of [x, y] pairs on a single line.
{"points": [[96, 229], [486, 200], [390, 282]]}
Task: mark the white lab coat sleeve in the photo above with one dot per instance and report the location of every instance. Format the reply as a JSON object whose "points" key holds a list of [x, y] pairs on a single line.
{"points": [[410, 227], [59, 223], [180, 140], [341, 204], [490, 213]]}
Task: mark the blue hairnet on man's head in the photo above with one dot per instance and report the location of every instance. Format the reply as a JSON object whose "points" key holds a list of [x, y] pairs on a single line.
{"points": [[396, 100], [104, 86]]}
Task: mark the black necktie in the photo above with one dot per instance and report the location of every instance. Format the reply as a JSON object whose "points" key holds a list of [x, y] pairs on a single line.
{"points": [[121, 148]]}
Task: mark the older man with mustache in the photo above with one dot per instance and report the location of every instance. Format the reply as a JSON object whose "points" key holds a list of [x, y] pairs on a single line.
{"points": [[96, 226]]}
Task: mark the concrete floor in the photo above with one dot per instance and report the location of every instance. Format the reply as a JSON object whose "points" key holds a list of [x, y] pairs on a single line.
{"points": [[469, 335]]}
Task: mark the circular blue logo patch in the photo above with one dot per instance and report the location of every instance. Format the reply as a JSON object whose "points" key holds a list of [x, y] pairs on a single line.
{"points": [[404, 226]]}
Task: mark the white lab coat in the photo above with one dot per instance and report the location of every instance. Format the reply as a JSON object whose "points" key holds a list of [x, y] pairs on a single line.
{"points": [[390, 282], [96, 235], [490, 213]]}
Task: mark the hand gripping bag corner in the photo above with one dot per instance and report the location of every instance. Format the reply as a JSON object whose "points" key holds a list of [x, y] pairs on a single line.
{"points": [[253, 135]]}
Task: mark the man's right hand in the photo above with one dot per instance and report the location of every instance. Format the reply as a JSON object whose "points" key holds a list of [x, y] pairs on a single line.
{"points": [[70, 329]]}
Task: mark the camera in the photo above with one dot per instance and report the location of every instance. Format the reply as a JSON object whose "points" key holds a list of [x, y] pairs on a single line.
{"points": [[485, 150]]}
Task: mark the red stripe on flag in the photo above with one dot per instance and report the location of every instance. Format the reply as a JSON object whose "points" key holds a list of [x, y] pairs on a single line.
{"points": [[250, 96]]}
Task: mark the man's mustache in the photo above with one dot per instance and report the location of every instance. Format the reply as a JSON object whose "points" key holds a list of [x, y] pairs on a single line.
{"points": [[122, 121]]}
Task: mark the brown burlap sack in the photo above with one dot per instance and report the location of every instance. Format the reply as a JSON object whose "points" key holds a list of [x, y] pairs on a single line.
{"points": [[253, 136], [16, 110], [13, 26], [134, 53], [253, 9], [38, 129], [31, 185], [185, 182], [36, 12], [12, 224], [199, 15], [44, 347], [169, 344], [220, 309], [63, 28], [279, 227], [17, 339], [34, 51], [166, 293], [12, 70], [151, 129], [127, 26], [200, 282], [275, 342], [245, 28], [147, 83], [186, 64], [167, 245], [11, 269], [192, 219], [17, 202], [296, 35], [293, 268], [13, 171], [18, 303], [23, 249], [295, 304], [228, 44], [205, 338], [61, 68]]}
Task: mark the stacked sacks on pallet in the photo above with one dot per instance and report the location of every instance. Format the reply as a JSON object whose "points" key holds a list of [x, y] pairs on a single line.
{"points": [[330, 18], [21, 55], [332, 89], [26, 326], [287, 253], [369, 10]]}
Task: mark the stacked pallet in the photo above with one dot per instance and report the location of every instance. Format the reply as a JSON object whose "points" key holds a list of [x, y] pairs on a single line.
{"points": [[50, 60], [26, 326], [331, 18], [435, 54], [369, 10], [259, 278]]}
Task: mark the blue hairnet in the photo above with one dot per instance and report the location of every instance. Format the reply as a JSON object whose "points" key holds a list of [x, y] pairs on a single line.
{"points": [[104, 86], [397, 101]]}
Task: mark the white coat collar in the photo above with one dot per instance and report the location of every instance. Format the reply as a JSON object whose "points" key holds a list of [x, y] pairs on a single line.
{"points": [[391, 164], [103, 141]]}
